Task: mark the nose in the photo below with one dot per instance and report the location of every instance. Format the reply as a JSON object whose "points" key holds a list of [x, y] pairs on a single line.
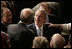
{"points": [[36, 17]]}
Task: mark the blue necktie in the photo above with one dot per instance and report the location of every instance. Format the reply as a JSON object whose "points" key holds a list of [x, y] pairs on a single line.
{"points": [[39, 32]]}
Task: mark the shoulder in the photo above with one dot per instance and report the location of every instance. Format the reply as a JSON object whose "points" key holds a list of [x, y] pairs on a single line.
{"points": [[12, 25], [30, 25]]}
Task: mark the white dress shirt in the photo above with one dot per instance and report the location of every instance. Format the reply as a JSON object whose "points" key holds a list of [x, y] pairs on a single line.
{"points": [[39, 30]]}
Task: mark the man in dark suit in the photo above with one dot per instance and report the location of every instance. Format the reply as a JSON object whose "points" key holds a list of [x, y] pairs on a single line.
{"points": [[39, 19], [20, 35], [38, 27]]}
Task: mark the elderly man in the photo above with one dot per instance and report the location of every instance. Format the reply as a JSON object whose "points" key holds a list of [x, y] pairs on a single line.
{"points": [[57, 41], [28, 15], [6, 18], [39, 18], [20, 35], [40, 42]]}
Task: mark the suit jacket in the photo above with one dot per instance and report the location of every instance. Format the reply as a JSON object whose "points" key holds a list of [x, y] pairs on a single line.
{"points": [[47, 32], [20, 36], [32, 27]]}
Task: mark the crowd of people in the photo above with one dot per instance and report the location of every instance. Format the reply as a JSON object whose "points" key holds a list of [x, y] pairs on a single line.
{"points": [[29, 31]]}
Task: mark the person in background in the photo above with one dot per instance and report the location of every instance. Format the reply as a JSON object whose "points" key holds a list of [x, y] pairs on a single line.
{"points": [[3, 4], [11, 7], [51, 9], [5, 40], [57, 41], [6, 18], [40, 42]]}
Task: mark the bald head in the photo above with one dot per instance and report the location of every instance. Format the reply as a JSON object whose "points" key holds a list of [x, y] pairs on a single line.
{"points": [[57, 41], [26, 15]]}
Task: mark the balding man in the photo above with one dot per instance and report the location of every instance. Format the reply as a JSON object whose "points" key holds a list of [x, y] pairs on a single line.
{"points": [[57, 41], [20, 35], [27, 14]]}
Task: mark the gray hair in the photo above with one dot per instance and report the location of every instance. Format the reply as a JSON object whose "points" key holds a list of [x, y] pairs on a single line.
{"points": [[58, 41]]}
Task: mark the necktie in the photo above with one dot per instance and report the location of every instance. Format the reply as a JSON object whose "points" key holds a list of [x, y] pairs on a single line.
{"points": [[39, 32]]}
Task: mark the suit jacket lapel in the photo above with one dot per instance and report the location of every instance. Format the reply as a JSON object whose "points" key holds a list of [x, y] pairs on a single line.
{"points": [[34, 29]]}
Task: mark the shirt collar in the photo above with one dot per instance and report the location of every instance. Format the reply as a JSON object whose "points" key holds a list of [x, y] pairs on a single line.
{"points": [[37, 28]]}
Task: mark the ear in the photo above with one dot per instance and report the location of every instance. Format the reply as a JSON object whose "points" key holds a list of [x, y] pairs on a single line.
{"points": [[51, 45]]}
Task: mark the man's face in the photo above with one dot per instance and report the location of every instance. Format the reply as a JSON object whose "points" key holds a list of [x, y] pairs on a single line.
{"points": [[7, 17], [39, 18]]}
